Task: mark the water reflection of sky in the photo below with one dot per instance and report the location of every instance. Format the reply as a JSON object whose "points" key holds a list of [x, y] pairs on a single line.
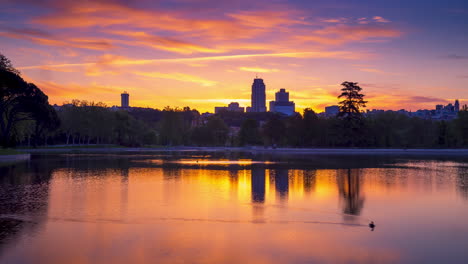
{"points": [[117, 211]]}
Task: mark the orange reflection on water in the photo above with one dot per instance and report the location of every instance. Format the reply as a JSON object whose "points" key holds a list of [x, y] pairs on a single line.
{"points": [[244, 215], [222, 162]]}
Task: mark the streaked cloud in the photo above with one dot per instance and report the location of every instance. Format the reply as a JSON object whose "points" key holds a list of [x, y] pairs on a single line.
{"points": [[95, 49], [372, 70], [123, 61], [42, 38], [456, 57], [257, 69], [380, 19], [163, 43], [74, 90], [177, 77], [341, 34]]}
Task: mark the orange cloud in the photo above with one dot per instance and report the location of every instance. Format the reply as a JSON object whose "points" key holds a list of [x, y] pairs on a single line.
{"points": [[123, 61], [103, 15], [163, 43], [267, 19], [82, 43], [380, 19], [340, 34], [73, 90], [257, 69], [371, 70], [177, 77]]}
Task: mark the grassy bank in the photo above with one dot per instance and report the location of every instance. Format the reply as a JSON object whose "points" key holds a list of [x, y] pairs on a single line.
{"points": [[9, 152], [256, 150]]}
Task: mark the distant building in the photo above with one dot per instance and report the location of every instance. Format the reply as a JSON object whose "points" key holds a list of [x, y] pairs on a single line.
{"points": [[282, 103], [441, 112], [332, 110], [232, 107], [258, 96], [125, 100]]}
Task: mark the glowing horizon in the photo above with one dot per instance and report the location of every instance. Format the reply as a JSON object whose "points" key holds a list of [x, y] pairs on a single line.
{"points": [[206, 54]]}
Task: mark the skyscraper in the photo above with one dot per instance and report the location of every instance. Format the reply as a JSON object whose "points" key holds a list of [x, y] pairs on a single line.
{"points": [[282, 103], [457, 106], [258, 96], [125, 100]]}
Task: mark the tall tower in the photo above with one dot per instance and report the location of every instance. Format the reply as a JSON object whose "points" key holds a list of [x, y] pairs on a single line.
{"points": [[457, 106], [282, 96], [258, 96], [282, 104], [125, 100]]}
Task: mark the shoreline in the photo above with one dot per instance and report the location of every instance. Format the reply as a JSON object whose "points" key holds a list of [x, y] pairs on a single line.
{"points": [[256, 150], [15, 157]]}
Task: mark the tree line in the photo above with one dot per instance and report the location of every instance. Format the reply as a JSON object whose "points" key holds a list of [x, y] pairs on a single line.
{"points": [[27, 119]]}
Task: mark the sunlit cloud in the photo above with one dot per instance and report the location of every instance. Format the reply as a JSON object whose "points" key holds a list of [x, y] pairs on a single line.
{"points": [[163, 43], [268, 19], [377, 71], [73, 90], [257, 69], [48, 40], [72, 49], [380, 19], [107, 14], [335, 20], [218, 101], [372, 70], [122, 61], [177, 77], [340, 34]]}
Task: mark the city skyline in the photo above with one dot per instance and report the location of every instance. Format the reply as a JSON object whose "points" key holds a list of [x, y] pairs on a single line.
{"points": [[282, 104], [204, 54]]}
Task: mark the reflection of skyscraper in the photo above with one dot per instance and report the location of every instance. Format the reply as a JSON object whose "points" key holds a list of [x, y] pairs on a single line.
{"points": [[309, 181], [258, 185], [234, 180], [349, 187], [281, 180], [258, 96]]}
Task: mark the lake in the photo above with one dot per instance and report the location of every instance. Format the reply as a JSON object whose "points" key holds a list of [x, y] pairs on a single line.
{"points": [[199, 207]]}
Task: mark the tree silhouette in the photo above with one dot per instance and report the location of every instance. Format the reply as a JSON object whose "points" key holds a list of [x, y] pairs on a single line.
{"points": [[249, 133], [353, 100], [274, 130], [352, 127], [21, 101], [5, 64]]}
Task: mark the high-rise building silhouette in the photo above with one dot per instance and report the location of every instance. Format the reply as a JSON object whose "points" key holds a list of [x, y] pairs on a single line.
{"points": [[457, 106], [258, 96], [332, 110], [125, 100], [232, 107], [282, 103]]}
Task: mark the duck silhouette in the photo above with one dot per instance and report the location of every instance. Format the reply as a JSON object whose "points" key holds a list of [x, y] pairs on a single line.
{"points": [[372, 225]]}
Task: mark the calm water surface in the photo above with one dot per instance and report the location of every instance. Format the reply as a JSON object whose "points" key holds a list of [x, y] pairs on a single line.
{"points": [[233, 208]]}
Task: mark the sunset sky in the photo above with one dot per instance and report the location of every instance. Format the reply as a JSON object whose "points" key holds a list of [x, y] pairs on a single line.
{"points": [[404, 54]]}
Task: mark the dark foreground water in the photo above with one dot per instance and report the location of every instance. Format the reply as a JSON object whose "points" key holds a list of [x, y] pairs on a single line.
{"points": [[233, 208]]}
